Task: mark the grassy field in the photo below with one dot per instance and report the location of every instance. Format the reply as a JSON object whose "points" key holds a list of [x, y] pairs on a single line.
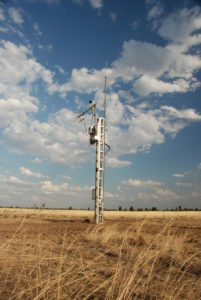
{"points": [[57, 254]]}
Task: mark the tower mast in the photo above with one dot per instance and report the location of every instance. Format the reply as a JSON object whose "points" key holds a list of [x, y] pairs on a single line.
{"points": [[97, 136]]}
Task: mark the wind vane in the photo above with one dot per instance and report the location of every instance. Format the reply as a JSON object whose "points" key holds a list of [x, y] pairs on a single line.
{"points": [[96, 134]]}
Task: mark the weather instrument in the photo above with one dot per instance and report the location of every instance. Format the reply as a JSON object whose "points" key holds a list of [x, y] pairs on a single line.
{"points": [[96, 133]]}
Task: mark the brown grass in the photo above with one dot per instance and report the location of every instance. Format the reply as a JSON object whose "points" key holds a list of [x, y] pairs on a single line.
{"points": [[134, 255]]}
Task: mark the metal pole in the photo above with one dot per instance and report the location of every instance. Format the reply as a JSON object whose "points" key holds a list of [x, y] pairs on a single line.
{"points": [[105, 98]]}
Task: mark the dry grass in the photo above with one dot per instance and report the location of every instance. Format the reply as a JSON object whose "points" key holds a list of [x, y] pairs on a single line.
{"points": [[134, 255]]}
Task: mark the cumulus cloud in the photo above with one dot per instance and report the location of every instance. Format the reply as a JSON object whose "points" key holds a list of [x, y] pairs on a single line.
{"points": [[67, 177], [149, 67], [19, 69], [155, 11], [29, 173], [48, 187], [13, 109], [150, 190], [146, 85], [138, 58], [182, 26], [97, 4], [109, 195], [142, 126], [142, 183], [17, 182], [64, 188], [17, 191], [184, 184], [178, 175], [84, 81], [143, 64], [57, 138], [116, 163], [36, 160], [15, 14]]}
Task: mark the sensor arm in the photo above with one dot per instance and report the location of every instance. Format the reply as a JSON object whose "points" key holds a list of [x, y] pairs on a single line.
{"points": [[108, 146]]}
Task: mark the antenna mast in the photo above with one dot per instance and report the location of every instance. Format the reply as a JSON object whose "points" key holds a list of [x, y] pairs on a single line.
{"points": [[97, 136]]}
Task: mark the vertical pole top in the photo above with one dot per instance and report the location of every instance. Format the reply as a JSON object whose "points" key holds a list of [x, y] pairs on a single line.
{"points": [[105, 97]]}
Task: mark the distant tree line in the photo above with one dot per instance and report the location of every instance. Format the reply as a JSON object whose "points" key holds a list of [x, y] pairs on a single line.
{"points": [[154, 208], [120, 208]]}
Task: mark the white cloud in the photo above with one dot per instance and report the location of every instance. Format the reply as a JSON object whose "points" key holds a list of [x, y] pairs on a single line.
{"points": [[155, 11], [109, 195], [138, 58], [62, 142], [149, 67], [113, 16], [146, 85], [116, 163], [60, 69], [15, 181], [150, 190], [15, 14], [184, 184], [62, 139], [66, 177], [142, 126], [11, 29], [18, 66], [148, 63], [12, 109], [64, 188], [36, 160], [29, 173], [3, 29], [187, 114], [97, 4], [181, 26], [126, 95], [199, 166], [177, 175], [48, 187], [56, 138], [142, 183], [16, 191], [37, 29], [84, 81]]}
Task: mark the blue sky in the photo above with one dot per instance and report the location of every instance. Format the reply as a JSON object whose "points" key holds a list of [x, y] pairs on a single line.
{"points": [[54, 55]]}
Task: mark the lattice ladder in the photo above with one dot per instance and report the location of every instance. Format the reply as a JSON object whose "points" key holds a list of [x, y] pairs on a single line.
{"points": [[99, 181]]}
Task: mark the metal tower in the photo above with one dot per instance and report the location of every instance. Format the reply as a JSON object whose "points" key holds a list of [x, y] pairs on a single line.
{"points": [[97, 136]]}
